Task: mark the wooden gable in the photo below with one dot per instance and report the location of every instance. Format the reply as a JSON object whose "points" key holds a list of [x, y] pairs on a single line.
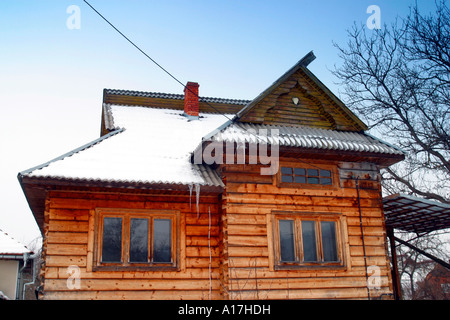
{"points": [[299, 98]]}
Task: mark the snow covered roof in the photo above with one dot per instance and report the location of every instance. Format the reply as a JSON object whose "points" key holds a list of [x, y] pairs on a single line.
{"points": [[11, 247], [149, 146], [303, 137], [154, 146]]}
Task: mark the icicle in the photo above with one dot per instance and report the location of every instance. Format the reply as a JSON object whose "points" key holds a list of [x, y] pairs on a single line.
{"points": [[191, 186], [197, 195]]}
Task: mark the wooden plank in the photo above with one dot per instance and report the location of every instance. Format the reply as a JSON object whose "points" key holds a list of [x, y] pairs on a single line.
{"points": [[256, 209], [370, 251], [189, 274], [343, 293], [201, 241], [308, 273], [65, 261], [248, 252], [244, 177], [247, 241], [200, 262], [68, 214], [68, 226], [66, 249], [202, 231], [247, 262], [238, 218], [130, 284], [299, 200], [337, 283], [132, 295], [202, 252], [67, 237], [257, 230], [244, 188]]}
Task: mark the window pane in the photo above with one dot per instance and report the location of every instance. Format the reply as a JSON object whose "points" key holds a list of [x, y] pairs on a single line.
{"points": [[325, 173], [162, 240], [112, 240], [313, 180], [309, 241], [285, 170], [287, 247], [325, 181], [300, 179], [300, 171], [329, 241], [286, 178], [313, 172], [139, 240]]}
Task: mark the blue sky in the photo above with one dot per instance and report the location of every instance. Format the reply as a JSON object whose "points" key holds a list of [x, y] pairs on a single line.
{"points": [[52, 77]]}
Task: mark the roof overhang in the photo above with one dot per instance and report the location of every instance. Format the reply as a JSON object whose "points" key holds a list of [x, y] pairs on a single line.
{"points": [[413, 214], [37, 188]]}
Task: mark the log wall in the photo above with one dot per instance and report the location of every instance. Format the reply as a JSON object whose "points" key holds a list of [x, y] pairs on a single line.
{"points": [[69, 235], [248, 204], [241, 241]]}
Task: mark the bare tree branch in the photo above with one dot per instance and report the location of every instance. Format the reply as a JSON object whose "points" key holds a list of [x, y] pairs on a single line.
{"points": [[398, 80]]}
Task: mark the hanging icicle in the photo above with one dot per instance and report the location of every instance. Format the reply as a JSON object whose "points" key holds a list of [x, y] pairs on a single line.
{"points": [[191, 186], [197, 195]]}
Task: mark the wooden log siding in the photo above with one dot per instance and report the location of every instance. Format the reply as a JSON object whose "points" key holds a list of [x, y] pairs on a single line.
{"points": [[248, 204], [242, 240], [315, 108], [69, 235]]}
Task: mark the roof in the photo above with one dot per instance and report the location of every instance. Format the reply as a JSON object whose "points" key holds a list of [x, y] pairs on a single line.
{"points": [[413, 214], [318, 92], [140, 150], [161, 95], [303, 137], [170, 101], [11, 247]]}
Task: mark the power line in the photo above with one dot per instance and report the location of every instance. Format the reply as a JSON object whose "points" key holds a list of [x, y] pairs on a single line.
{"points": [[150, 58], [132, 43], [173, 77]]}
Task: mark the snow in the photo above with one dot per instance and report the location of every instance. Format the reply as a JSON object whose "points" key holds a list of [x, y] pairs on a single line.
{"points": [[154, 148], [156, 145], [304, 137], [10, 246]]}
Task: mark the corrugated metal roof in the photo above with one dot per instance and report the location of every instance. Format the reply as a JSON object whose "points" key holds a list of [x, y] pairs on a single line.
{"points": [[162, 95], [413, 214], [152, 146], [304, 137]]}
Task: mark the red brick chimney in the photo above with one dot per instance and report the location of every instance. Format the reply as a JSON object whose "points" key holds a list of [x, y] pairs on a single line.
{"points": [[191, 104]]}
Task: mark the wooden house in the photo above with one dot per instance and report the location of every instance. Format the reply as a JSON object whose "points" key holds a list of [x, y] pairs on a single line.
{"points": [[284, 203]]}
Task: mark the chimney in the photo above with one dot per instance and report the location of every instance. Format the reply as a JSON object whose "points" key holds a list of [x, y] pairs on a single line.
{"points": [[191, 104]]}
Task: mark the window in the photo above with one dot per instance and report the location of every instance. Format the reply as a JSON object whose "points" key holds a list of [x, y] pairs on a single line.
{"points": [[141, 239], [307, 240], [292, 176]]}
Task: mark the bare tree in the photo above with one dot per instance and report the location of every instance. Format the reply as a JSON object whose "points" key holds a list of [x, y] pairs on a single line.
{"points": [[397, 79], [414, 267]]}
